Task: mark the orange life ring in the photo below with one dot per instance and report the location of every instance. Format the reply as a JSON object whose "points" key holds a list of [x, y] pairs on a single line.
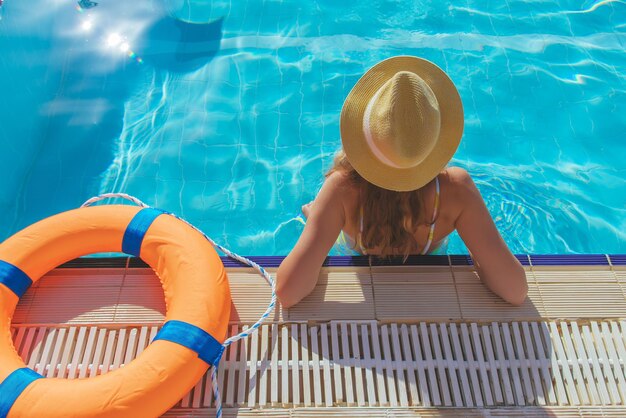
{"points": [[197, 298]]}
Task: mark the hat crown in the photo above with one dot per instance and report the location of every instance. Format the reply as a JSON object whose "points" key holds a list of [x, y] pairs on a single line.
{"points": [[402, 121]]}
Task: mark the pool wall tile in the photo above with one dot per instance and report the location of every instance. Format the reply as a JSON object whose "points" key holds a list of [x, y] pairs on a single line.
{"points": [[461, 260], [263, 261], [346, 261], [466, 260], [362, 261], [569, 260], [98, 262], [412, 260], [618, 259]]}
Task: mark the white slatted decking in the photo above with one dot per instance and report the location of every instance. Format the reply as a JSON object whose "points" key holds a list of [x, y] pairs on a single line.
{"points": [[368, 364], [371, 342]]}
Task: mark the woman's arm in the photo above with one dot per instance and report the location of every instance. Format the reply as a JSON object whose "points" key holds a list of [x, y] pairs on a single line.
{"points": [[496, 266], [299, 271]]}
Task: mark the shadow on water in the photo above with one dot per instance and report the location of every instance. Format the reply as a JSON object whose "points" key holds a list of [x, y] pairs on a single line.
{"points": [[178, 46], [66, 91]]}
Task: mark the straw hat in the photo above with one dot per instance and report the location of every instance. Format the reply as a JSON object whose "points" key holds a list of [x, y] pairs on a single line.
{"points": [[401, 123]]}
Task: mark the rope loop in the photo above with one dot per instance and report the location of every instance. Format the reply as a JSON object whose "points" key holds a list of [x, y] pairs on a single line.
{"points": [[105, 196]]}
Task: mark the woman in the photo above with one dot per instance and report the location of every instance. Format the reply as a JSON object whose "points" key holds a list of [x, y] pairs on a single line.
{"points": [[389, 192]]}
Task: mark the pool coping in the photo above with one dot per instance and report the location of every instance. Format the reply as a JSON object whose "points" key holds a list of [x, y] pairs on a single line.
{"points": [[365, 261]]}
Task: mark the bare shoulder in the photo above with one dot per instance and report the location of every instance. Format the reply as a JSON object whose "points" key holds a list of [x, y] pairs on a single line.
{"points": [[457, 177], [338, 186], [339, 181], [458, 184]]}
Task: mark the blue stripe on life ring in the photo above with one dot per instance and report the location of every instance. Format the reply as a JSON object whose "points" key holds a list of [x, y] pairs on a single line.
{"points": [[196, 339], [137, 228], [14, 278], [13, 386]]}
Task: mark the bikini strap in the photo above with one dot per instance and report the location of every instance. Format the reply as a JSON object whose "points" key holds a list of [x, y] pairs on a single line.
{"points": [[436, 210], [431, 233], [359, 242]]}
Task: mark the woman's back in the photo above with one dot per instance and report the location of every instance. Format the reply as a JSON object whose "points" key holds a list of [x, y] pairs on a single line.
{"points": [[441, 208], [427, 220]]}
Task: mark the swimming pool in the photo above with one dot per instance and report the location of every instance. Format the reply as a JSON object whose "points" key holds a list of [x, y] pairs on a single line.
{"points": [[232, 123]]}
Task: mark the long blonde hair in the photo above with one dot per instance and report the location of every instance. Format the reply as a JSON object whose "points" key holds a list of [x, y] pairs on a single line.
{"points": [[390, 218]]}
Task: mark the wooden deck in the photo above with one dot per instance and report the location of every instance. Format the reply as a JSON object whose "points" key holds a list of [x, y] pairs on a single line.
{"points": [[369, 341]]}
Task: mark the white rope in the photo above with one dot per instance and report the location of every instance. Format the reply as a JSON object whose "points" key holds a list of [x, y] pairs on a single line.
{"points": [[113, 196], [244, 260]]}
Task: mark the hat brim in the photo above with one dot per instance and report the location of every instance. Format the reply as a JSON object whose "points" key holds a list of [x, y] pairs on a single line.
{"points": [[353, 138]]}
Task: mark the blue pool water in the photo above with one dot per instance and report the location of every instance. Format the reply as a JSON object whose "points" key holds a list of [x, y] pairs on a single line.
{"points": [[227, 112]]}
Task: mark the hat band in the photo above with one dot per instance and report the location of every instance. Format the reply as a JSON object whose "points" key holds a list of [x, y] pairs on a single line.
{"points": [[368, 134]]}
